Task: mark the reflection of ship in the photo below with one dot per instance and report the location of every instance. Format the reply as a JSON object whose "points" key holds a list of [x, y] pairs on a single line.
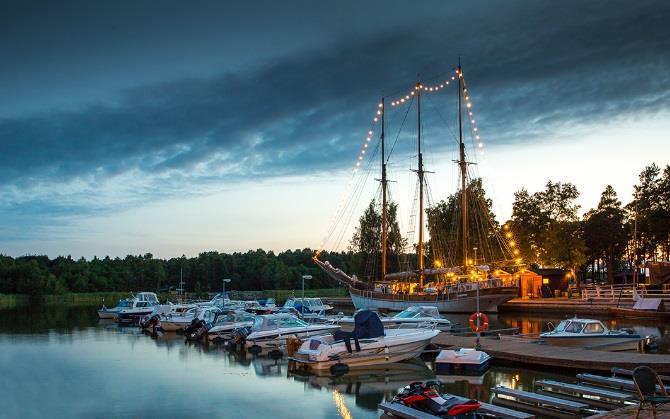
{"points": [[372, 385], [268, 367], [449, 272]]}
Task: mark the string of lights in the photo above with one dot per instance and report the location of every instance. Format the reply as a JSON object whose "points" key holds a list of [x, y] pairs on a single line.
{"points": [[377, 116]]}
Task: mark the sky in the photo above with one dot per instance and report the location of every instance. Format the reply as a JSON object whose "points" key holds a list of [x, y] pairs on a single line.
{"points": [[175, 128]]}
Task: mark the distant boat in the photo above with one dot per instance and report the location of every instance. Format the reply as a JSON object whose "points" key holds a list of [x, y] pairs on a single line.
{"points": [[271, 331], [414, 316], [590, 333], [457, 275]]}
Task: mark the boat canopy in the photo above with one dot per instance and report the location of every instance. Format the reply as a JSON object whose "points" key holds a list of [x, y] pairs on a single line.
{"points": [[418, 312], [275, 321]]}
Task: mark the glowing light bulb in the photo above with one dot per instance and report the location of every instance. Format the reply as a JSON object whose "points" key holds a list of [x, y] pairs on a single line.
{"points": [[367, 139], [402, 100], [477, 137], [469, 105], [453, 78], [379, 112], [365, 145], [381, 105], [412, 92], [474, 129], [481, 145], [407, 97], [374, 119], [442, 86]]}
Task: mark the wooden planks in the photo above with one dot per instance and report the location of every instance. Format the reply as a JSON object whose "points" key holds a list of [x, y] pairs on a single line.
{"points": [[582, 389], [515, 349], [541, 400]]}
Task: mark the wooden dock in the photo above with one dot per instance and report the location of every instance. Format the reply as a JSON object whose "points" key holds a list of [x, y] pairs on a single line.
{"points": [[526, 351]]}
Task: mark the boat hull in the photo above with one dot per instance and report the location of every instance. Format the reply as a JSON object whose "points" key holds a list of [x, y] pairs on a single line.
{"points": [[607, 343], [488, 302], [372, 356], [107, 314]]}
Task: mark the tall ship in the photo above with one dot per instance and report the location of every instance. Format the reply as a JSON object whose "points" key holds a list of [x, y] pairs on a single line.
{"points": [[465, 261]]}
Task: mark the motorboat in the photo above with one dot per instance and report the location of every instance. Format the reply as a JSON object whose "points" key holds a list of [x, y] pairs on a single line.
{"points": [[368, 344], [226, 324], [162, 311], [141, 304], [173, 322], [272, 330], [307, 305], [202, 322], [254, 306], [462, 361], [592, 334], [111, 313], [414, 316]]}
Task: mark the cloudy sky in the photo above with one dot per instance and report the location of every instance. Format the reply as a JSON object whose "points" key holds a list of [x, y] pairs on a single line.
{"points": [[180, 127]]}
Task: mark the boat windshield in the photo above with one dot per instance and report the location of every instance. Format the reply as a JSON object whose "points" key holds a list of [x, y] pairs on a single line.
{"points": [[124, 303], [574, 327], [291, 321], [407, 314], [594, 328]]}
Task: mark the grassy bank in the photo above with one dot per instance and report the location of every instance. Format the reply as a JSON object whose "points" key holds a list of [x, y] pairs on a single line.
{"points": [[110, 298]]}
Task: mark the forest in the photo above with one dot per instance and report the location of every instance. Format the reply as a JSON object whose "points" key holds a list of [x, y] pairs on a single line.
{"points": [[545, 227]]}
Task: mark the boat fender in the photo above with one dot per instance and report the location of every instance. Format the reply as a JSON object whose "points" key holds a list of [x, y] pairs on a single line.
{"points": [[255, 350], [483, 322], [339, 369]]}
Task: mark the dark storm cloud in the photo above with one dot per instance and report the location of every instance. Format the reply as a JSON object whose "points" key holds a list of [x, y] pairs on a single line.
{"points": [[532, 67]]}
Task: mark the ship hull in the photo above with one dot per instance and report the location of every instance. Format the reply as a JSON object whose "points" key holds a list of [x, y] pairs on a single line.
{"points": [[488, 302]]}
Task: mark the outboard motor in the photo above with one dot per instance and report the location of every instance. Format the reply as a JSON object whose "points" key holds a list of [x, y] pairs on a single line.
{"points": [[196, 330], [149, 321]]}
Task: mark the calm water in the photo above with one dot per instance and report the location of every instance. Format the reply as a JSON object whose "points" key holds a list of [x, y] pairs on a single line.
{"points": [[58, 361]]}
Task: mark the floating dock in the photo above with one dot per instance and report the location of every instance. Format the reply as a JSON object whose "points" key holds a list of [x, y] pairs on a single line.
{"points": [[528, 352]]}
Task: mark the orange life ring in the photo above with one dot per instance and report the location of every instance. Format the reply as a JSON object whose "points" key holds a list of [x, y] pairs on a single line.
{"points": [[483, 323]]}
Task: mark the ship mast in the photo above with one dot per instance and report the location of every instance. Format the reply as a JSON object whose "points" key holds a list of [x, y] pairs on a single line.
{"points": [[420, 172], [384, 203], [464, 167]]}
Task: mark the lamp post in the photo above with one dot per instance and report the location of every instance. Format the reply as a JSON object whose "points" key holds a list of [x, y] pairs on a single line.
{"points": [[223, 294], [302, 302]]}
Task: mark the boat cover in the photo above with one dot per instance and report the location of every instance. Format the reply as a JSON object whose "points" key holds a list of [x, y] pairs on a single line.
{"points": [[366, 326]]}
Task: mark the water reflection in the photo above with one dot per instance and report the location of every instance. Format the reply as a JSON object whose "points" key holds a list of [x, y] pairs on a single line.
{"points": [[80, 367]]}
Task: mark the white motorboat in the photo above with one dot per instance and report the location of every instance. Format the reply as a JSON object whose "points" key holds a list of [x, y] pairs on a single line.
{"points": [[414, 316], [141, 304], [272, 330], [175, 321], [111, 313], [225, 325], [307, 305], [462, 361], [372, 345], [592, 334], [162, 311]]}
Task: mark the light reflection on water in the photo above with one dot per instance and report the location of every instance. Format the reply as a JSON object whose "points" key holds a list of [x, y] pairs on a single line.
{"points": [[59, 362]]}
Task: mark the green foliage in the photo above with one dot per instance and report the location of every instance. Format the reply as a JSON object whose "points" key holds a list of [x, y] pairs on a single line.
{"points": [[547, 228], [446, 231], [606, 232], [651, 204], [253, 270], [366, 243]]}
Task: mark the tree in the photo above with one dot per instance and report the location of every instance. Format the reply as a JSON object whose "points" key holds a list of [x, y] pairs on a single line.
{"points": [[605, 231], [367, 239], [547, 227], [445, 227]]}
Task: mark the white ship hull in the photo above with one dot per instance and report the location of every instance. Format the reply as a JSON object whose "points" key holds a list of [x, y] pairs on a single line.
{"points": [[487, 303]]}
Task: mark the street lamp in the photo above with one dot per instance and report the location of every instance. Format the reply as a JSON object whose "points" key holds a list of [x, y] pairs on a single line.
{"points": [[223, 294], [302, 304]]}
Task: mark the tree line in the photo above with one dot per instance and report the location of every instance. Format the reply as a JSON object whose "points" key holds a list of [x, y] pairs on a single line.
{"points": [[252, 270], [545, 228]]}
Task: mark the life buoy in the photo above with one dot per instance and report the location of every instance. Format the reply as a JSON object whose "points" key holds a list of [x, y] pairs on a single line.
{"points": [[483, 322]]}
